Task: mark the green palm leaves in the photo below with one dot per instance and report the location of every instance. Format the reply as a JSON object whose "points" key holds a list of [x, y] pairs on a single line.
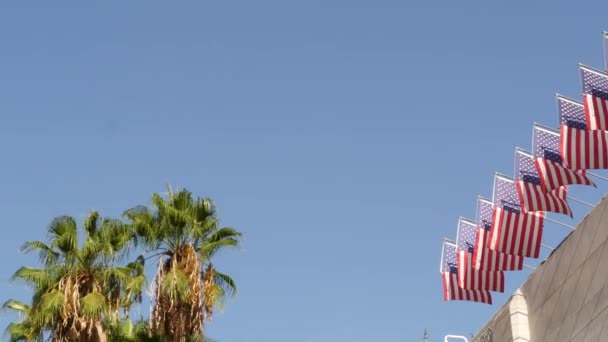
{"points": [[79, 286], [84, 290], [185, 233]]}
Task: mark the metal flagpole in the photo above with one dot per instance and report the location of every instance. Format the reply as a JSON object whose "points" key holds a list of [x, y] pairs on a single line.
{"points": [[547, 247], [605, 35], [561, 224], [581, 202], [530, 267], [597, 176]]}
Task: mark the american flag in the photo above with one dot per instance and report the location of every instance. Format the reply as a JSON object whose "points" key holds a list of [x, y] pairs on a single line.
{"points": [[483, 257], [584, 149], [595, 98], [548, 161], [449, 275], [580, 149], [468, 277], [513, 232], [530, 190]]}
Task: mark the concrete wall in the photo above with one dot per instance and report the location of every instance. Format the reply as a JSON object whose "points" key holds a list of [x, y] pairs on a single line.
{"points": [[567, 296]]}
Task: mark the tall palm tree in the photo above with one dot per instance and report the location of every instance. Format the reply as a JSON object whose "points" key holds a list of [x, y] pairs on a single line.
{"points": [[79, 288], [185, 234]]}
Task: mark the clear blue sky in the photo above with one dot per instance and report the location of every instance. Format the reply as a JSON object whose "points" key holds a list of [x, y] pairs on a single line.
{"points": [[345, 138]]}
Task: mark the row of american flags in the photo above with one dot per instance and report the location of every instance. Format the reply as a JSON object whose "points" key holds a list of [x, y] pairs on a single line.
{"points": [[509, 226]]}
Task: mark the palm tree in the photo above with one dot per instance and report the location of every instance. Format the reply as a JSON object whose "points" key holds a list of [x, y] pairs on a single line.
{"points": [[184, 233], [79, 290]]}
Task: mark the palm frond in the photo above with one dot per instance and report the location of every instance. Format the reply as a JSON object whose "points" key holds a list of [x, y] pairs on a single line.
{"points": [[225, 232], [32, 276], [91, 223], [135, 287], [93, 304], [158, 202], [203, 209], [118, 274], [116, 231], [16, 305], [209, 249], [202, 228], [51, 304], [142, 225], [137, 266], [64, 234], [181, 200], [226, 283], [46, 254], [17, 332]]}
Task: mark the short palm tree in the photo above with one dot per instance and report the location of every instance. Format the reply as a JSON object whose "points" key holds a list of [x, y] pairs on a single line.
{"points": [[79, 289], [185, 233]]}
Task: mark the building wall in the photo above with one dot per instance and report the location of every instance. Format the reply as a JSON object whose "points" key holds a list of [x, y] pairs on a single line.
{"points": [[567, 295]]}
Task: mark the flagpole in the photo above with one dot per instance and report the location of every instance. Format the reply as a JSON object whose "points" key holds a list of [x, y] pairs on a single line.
{"points": [[597, 176], [561, 224], [530, 267], [581, 202], [547, 247], [605, 36]]}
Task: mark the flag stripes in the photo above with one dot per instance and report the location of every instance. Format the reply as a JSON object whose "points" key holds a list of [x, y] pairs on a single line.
{"points": [[554, 175], [584, 149], [516, 233], [472, 279], [451, 290], [596, 112], [490, 260], [533, 198]]}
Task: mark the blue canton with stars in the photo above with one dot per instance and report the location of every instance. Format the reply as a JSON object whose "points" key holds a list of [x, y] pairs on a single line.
{"points": [[571, 113], [525, 169], [505, 194], [485, 209], [465, 237], [449, 262], [545, 144], [594, 83]]}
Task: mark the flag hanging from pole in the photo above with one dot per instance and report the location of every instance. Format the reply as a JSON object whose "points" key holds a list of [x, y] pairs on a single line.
{"points": [[530, 190], [548, 161], [580, 149], [512, 231], [584, 149], [595, 98], [483, 257], [468, 277], [449, 275]]}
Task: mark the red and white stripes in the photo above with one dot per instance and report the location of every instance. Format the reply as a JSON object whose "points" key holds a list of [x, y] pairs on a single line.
{"points": [[533, 198], [472, 279], [490, 260], [554, 175], [451, 290], [584, 149], [596, 112], [516, 233]]}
